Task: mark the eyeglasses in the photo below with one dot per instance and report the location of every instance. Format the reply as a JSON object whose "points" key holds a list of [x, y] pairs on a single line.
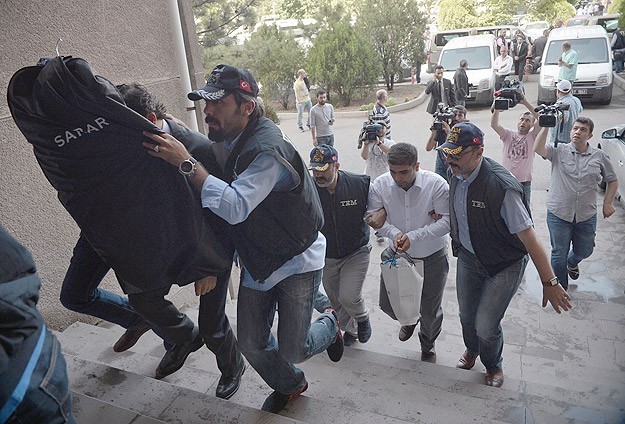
{"points": [[456, 157]]}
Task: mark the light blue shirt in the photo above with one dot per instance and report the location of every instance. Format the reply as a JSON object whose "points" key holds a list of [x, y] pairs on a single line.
{"points": [[512, 211], [566, 73], [234, 202]]}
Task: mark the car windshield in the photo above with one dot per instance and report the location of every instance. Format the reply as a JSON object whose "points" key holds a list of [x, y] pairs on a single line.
{"points": [[478, 58], [589, 50], [442, 39]]}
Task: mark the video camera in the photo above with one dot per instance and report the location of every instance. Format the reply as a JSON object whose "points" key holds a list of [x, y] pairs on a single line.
{"points": [[509, 95], [549, 114], [443, 114], [369, 132]]}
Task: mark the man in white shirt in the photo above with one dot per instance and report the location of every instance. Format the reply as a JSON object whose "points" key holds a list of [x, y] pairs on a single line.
{"points": [[417, 223], [502, 66]]}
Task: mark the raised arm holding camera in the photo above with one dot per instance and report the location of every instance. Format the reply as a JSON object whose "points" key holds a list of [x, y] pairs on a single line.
{"points": [[375, 147], [518, 146], [444, 119]]}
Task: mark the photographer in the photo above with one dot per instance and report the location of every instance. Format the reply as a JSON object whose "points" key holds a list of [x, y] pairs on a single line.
{"points": [[439, 136], [374, 152], [561, 133], [518, 146]]}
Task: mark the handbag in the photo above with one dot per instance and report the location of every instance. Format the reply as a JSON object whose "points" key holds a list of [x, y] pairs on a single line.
{"points": [[403, 279]]}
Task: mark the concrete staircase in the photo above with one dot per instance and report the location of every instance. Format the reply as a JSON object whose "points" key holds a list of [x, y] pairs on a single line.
{"points": [[567, 368], [552, 376]]}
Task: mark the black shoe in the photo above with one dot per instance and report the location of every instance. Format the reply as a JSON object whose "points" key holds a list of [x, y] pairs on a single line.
{"points": [[406, 331], [301, 129], [573, 272], [175, 357], [348, 339], [335, 350], [428, 356], [364, 331], [131, 337], [228, 385], [277, 401]]}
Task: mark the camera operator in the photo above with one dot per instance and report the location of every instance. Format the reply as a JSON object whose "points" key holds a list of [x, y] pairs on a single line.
{"points": [[374, 153], [561, 133], [518, 146], [438, 138]]}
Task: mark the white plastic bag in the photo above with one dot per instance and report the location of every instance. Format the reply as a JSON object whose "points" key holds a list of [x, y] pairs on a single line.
{"points": [[403, 279]]}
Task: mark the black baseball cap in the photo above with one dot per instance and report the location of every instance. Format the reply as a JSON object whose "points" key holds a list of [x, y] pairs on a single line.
{"points": [[462, 135], [322, 156], [224, 80]]}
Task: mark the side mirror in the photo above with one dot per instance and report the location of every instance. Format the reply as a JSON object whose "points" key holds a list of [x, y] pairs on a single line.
{"points": [[611, 133]]}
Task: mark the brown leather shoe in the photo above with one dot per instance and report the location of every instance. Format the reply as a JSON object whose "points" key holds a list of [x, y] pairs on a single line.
{"points": [[428, 357], [466, 361], [130, 337], [494, 378], [406, 331]]}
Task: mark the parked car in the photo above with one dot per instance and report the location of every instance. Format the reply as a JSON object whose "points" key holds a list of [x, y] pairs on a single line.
{"points": [[608, 22], [535, 29], [613, 143], [578, 21]]}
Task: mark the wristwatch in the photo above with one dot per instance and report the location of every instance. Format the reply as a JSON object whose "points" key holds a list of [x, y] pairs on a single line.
{"points": [[187, 167], [553, 282]]}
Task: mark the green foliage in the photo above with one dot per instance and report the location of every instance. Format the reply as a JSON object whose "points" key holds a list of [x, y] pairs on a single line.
{"points": [[497, 12], [550, 10], [618, 6], [454, 14], [397, 36], [269, 111], [273, 56], [217, 19], [343, 61]]}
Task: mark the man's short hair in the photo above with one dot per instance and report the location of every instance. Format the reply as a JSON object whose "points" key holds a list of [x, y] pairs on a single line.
{"points": [[566, 44], [139, 99], [320, 92], [439, 67], [530, 114], [402, 154], [586, 121], [381, 94], [461, 109], [463, 63]]}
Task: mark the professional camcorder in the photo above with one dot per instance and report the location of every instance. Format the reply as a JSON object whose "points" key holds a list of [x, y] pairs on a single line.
{"points": [[509, 95], [549, 114], [368, 133], [443, 114]]}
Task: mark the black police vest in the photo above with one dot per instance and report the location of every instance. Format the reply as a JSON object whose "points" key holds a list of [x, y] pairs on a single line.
{"points": [[286, 223], [343, 213], [494, 246]]}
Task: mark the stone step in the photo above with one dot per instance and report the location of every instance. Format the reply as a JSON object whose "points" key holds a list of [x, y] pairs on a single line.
{"points": [[153, 401], [89, 410]]}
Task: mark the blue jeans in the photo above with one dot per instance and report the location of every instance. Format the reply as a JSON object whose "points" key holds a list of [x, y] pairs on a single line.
{"points": [[47, 399], [482, 302], [298, 339], [325, 139], [571, 242], [305, 106], [80, 292]]}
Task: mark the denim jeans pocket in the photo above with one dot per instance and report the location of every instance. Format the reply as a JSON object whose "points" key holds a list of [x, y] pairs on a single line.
{"points": [[55, 383]]}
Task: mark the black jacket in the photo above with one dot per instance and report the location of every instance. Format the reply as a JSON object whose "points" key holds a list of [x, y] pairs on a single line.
{"points": [[137, 212], [343, 212], [461, 84], [434, 89]]}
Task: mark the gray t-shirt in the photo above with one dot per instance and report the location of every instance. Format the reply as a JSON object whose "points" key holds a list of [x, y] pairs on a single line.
{"points": [[320, 117]]}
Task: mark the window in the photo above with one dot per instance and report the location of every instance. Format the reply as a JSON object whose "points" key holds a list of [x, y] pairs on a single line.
{"points": [[589, 50], [478, 58]]}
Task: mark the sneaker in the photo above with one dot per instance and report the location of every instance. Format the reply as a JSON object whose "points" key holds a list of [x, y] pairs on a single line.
{"points": [[277, 401], [335, 350], [573, 272], [364, 331], [349, 339]]}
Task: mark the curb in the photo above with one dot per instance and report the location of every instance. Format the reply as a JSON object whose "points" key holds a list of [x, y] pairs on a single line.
{"points": [[619, 81], [365, 113]]}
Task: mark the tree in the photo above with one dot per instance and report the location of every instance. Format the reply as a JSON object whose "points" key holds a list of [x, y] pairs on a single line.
{"points": [[497, 12], [395, 27], [454, 14], [217, 19], [273, 56], [343, 60], [550, 10]]}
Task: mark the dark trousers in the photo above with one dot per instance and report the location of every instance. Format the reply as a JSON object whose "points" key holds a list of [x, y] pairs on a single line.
{"points": [[177, 327]]}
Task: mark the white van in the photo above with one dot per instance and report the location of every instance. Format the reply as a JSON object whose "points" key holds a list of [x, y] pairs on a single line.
{"points": [[480, 52], [593, 82]]}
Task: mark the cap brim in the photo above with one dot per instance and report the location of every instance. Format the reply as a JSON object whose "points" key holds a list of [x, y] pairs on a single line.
{"points": [[451, 148], [207, 93], [319, 166]]}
